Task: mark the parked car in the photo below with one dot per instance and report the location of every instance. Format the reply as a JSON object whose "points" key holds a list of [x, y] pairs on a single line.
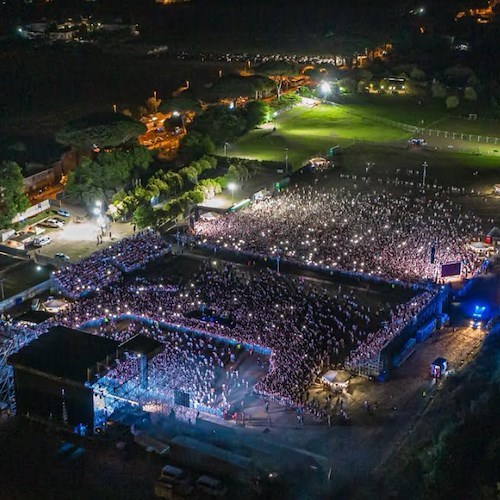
{"points": [[62, 256], [62, 212], [42, 241], [55, 223]]}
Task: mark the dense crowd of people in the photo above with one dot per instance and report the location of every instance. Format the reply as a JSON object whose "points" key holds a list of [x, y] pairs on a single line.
{"points": [[302, 327], [379, 234], [105, 267], [130, 254], [206, 370]]}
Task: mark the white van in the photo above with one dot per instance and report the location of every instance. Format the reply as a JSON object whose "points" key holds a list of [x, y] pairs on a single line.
{"points": [[42, 241]]}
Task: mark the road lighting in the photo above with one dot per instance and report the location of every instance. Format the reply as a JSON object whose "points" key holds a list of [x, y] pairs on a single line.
{"points": [[424, 174], [232, 187], [326, 89], [226, 144]]}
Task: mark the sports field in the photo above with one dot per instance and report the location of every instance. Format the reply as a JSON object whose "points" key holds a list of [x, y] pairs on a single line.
{"points": [[403, 109], [308, 132], [428, 113]]}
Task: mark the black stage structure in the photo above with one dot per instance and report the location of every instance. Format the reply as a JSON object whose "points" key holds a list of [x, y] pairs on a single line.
{"points": [[53, 375]]}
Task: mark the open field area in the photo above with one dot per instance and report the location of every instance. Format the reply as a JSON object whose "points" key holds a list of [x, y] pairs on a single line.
{"points": [[307, 132], [445, 168], [425, 112], [403, 109], [488, 127]]}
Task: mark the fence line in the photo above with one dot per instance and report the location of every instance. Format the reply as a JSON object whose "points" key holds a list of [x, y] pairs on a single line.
{"points": [[446, 134]]}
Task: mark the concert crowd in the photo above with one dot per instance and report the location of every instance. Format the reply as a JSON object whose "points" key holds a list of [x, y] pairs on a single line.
{"points": [[302, 328], [379, 234]]}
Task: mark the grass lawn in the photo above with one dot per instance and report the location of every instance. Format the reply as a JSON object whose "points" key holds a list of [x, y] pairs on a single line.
{"points": [[488, 128], [433, 113], [446, 168], [307, 132], [404, 109]]}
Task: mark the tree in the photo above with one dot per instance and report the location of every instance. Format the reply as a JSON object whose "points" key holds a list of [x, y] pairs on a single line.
{"points": [[314, 74], [285, 101], [180, 104], [189, 174], [107, 173], [12, 197], [347, 85], [144, 216], [174, 180], [231, 87], [152, 104], [438, 90], [279, 71], [417, 74], [452, 102], [221, 124], [101, 129], [257, 113], [470, 94], [196, 144]]}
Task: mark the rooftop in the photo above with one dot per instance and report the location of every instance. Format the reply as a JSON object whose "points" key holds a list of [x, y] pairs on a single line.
{"points": [[64, 353], [140, 344]]}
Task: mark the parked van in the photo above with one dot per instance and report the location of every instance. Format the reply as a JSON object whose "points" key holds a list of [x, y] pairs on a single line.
{"points": [[42, 241], [173, 474], [211, 486]]}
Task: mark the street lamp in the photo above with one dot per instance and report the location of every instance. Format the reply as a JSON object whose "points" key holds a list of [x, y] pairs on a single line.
{"points": [[232, 187], [424, 174], [226, 144]]}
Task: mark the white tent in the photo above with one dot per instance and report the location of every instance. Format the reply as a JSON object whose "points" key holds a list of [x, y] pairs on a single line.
{"points": [[208, 216], [480, 247], [336, 378], [55, 305]]}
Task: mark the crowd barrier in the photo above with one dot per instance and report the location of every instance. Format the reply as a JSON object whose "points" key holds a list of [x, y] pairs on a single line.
{"points": [[408, 349], [316, 267], [424, 332], [178, 328]]}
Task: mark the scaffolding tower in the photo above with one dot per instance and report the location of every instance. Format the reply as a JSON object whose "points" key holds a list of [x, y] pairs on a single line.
{"points": [[12, 338]]}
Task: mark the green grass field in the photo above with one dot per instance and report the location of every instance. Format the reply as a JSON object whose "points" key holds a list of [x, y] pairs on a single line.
{"points": [[308, 132], [404, 109], [428, 113], [489, 128]]}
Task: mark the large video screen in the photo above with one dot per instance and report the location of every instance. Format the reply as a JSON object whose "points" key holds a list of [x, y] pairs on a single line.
{"points": [[451, 269]]}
